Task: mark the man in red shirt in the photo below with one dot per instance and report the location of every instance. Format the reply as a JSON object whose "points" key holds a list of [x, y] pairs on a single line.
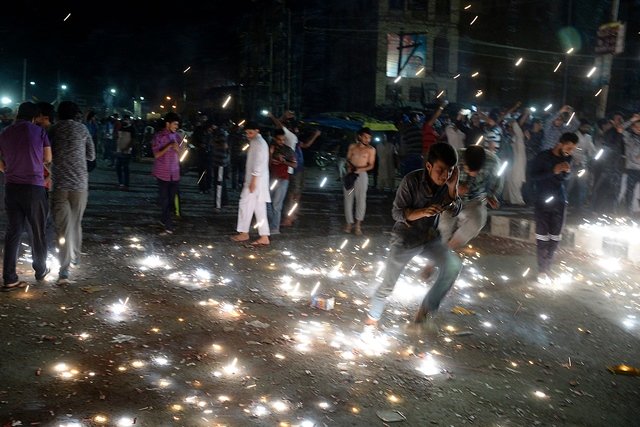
{"points": [[282, 157]]}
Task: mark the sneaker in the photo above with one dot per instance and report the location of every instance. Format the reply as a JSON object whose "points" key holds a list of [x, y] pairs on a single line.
{"points": [[274, 232], [62, 280], [44, 276]]}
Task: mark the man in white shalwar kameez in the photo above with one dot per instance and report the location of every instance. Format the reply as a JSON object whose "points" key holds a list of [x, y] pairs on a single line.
{"points": [[255, 192]]}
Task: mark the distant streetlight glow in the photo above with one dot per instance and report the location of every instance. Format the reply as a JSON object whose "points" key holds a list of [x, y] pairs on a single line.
{"points": [[112, 91], [32, 83], [5, 100]]}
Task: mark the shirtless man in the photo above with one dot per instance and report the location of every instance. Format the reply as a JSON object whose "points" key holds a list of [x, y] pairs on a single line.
{"points": [[361, 158]]}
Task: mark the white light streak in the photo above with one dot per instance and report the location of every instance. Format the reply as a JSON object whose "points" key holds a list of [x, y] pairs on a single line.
{"points": [[598, 92], [502, 168], [344, 243], [581, 172], [474, 20], [67, 17], [365, 244], [467, 7], [548, 107], [593, 70], [519, 61], [315, 288], [293, 209], [569, 51], [549, 199], [599, 154], [475, 74], [526, 272], [397, 79], [440, 94], [540, 394], [420, 71], [275, 182], [557, 66], [479, 140], [570, 118], [186, 70], [184, 155], [323, 182], [479, 94], [226, 101], [456, 76], [246, 147], [544, 316]]}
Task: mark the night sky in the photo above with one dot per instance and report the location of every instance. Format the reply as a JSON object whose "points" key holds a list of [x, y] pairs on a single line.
{"points": [[138, 48]]}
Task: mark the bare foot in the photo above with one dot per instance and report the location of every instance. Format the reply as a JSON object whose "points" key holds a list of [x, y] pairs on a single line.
{"points": [[369, 321], [240, 237], [262, 241]]}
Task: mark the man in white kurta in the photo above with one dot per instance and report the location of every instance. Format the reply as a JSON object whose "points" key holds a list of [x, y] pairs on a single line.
{"points": [[255, 192]]}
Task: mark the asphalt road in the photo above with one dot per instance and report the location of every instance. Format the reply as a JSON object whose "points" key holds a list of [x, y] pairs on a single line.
{"points": [[192, 329]]}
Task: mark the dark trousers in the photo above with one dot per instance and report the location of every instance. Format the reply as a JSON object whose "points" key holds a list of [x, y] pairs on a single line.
{"points": [[549, 225], [633, 177], [25, 204], [122, 168], [167, 191], [237, 172], [220, 190], [605, 192]]}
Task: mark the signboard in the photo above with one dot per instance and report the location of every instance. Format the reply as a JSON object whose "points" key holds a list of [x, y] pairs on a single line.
{"points": [[611, 38]]}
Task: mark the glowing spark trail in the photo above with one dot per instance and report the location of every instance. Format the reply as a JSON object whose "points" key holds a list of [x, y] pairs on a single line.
{"points": [[293, 209], [599, 154], [557, 66], [474, 20]]}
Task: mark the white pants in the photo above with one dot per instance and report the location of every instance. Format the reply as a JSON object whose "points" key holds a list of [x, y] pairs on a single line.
{"points": [[358, 194], [249, 206], [466, 225]]}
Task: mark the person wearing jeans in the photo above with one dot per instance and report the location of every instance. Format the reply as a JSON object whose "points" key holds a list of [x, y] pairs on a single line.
{"points": [[420, 199], [282, 158]]}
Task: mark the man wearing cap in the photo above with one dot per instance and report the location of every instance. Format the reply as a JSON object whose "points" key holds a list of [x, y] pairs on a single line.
{"points": [[255, 191]]}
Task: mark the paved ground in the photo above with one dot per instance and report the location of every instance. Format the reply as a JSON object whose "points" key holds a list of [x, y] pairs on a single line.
{"points": [[194, 330]]}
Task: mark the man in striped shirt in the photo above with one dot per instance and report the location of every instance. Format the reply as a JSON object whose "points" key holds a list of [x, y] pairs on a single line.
{"points": [[71, 146]]}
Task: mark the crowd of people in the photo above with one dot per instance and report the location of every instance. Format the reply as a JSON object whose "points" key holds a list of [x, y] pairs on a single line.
{"points": [[450, 170]]}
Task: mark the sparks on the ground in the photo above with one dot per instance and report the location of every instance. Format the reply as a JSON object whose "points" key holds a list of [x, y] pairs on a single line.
{"points": [[428, 366], [540, 394], [344, 243], [365, 244]]}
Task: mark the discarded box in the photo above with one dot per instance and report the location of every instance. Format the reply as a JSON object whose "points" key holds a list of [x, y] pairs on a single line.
{"points": [[323, 302]]}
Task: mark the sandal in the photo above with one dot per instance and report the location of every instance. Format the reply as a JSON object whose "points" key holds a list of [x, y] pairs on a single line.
{"points": [[238, 238], [17, 285]]}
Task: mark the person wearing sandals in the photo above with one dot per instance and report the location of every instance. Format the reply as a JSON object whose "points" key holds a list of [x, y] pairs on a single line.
{"points": [[24, 149]]}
